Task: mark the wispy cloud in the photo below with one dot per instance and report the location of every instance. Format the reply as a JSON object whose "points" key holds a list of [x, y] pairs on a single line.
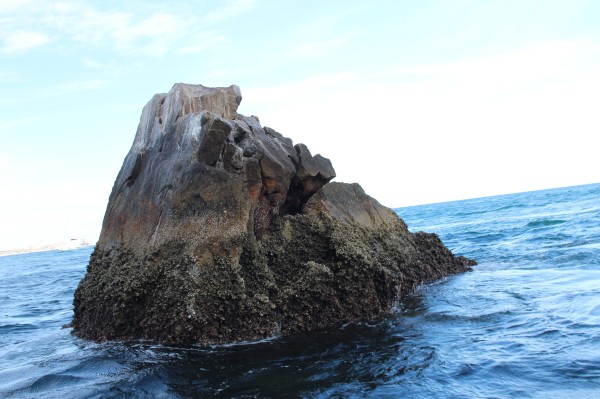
{"points": [[153, 30], [56, 90], [539, 61], [202, 42], [317, 47], [153, 34], [230, 72], [74, 87], [7, 6], [111, 67], [23, 41], [281, 104], [10, 125], [10, 77], [324, 33], [304, 89], [83, 85], [229, 10]]}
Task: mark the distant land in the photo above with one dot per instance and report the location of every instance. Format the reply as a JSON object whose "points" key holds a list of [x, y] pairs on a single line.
{"points": [[73, 243]]}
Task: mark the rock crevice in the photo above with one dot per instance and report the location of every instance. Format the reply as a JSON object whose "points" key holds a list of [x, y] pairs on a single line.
{"points": [[219, 230]]}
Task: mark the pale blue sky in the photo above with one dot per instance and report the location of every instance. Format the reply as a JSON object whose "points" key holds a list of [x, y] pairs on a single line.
{"points": [[419, 101]]}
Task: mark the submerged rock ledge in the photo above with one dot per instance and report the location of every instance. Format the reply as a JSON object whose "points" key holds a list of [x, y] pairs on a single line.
{"points": [[220, 230]]}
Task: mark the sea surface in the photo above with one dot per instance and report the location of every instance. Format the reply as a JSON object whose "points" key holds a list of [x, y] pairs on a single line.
{"points": [[525, 323]]}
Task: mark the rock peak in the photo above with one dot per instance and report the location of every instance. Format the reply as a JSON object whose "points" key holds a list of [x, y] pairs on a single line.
{"points": [[164, 110], [195, 98], [192, 132]]}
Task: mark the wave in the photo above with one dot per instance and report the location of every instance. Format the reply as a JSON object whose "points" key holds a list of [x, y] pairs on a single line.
{"points": [[17, 327], [545, 222]]}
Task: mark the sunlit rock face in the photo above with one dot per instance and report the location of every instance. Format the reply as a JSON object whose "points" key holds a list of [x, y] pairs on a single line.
{"points": [[219, 230]]}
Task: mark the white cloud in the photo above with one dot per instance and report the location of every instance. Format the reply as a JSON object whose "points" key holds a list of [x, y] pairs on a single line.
{"points": [[317, 47], [66, 88], [195, 48], [147, 30], [8, 125], [23, 41], [296, 92], [515, 122], [324, 33], [11, 6], [111, 67], [230, 72], [10, 77], [153, 34], [73, 87], [3, 166], [546, 60], [71, 208], [229, 10], [202, 42]]}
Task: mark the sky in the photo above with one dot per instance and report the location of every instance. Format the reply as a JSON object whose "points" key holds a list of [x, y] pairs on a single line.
{"points": [[418, 101]]}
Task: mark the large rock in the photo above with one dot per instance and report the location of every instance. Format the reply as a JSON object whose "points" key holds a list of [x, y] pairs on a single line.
{"points": [[219, 230]]}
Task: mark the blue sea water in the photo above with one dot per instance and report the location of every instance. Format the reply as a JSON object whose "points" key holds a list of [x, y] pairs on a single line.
{"points": [[525, 323]]}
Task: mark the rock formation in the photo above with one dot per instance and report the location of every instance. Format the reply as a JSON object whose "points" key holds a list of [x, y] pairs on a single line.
{"points": [[220, 230]]}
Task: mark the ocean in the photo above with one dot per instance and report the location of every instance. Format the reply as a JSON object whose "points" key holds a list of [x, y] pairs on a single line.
{"points": [[525, 323]]}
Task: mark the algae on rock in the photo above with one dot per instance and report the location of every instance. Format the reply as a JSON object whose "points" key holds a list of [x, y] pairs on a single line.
{"points": [[220, 230]]}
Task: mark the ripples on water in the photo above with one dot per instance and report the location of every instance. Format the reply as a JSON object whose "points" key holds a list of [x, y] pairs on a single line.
{"points": [[525, 323]]}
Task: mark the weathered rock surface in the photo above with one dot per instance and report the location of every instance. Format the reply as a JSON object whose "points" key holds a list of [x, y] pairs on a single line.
{"points": [[219, 230]]}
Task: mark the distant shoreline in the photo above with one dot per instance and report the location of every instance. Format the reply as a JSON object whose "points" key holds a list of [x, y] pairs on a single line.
{"points": [[60, 246]]}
